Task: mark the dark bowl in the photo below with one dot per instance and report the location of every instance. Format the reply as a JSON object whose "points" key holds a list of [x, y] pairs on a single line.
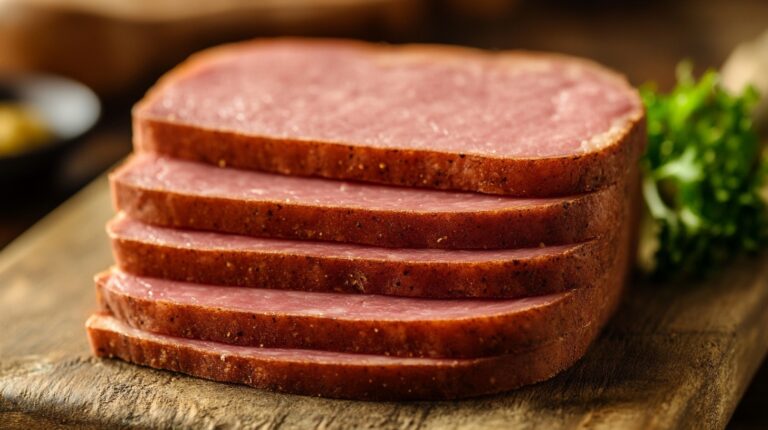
{"points": [[68, 108]]}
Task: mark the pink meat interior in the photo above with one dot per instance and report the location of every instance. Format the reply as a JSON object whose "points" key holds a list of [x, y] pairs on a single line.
{"points": [[520, 106]]}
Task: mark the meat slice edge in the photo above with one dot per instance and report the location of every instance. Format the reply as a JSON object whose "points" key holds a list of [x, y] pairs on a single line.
{"points": [[221, 259], [183, 194], [336, 375], [357, 323]]}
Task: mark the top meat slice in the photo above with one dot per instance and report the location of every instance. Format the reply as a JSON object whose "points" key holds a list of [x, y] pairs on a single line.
{"points": [[513, 123]]}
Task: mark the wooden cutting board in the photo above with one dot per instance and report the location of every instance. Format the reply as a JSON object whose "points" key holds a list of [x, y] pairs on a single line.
{"points": [[675, 356]]}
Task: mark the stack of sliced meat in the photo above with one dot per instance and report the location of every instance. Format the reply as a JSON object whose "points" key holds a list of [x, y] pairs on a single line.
{"points": [[372, 222]]}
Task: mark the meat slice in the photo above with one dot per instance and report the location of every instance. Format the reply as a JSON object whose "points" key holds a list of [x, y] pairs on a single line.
{"points": [[358, 323], [334, 374], [222, 259], [513, 123], [190, 195]]}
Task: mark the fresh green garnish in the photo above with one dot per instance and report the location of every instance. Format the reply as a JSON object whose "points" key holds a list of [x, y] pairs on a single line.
{"points": [[703, 170]]}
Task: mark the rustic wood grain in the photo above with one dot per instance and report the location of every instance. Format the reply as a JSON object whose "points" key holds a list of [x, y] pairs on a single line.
{"points": [[676, 356]]}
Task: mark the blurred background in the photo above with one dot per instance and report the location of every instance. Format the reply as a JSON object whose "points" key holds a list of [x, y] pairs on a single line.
{"points": [[70, 70]]}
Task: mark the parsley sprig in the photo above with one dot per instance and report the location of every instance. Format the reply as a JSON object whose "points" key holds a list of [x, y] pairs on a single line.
{"points": [[703, 171]]}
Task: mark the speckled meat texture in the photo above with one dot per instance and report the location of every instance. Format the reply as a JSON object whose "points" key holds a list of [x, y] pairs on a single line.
{"points": [[334, 374], [358, 323], [514, 123], [191, 195], [222, 259]]}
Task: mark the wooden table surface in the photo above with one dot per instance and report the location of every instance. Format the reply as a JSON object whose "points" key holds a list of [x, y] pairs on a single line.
{"points": [[676, 356]]}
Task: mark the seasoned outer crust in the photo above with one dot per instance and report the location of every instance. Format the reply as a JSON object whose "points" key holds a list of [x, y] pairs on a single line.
{"points": [[417, 379], [568, 220], [543, 176], [578, 265], [475, 336]]}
